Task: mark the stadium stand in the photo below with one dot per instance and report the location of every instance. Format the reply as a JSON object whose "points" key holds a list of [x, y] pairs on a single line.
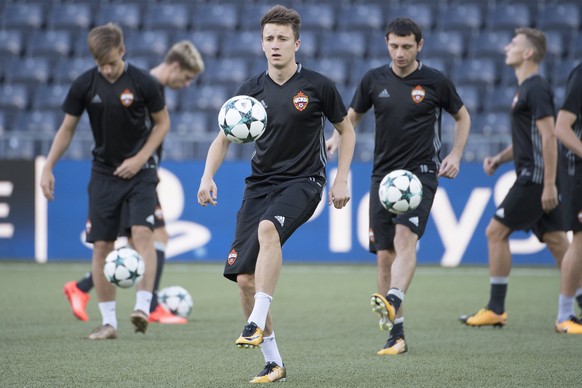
{"points": [[43, 48]]}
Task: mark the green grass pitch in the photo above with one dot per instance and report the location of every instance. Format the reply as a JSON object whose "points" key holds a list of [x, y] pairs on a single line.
{"points": [[325, 330]]}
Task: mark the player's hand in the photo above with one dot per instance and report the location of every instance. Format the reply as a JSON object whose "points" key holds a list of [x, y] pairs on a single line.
{"points": [[331, 146], [549, 198], [47, 184], [339, 195], [490, 165], [450, 167], [128, 168], [207, 192]]}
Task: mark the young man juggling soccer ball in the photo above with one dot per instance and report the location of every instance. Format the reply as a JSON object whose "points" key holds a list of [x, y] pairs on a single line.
{"points": [[287, 179]]}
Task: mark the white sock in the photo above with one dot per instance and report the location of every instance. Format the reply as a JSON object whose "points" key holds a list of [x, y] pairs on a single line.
{"points": [[108, 316], [143, 300], [399, 320], [270, 350], [565, 308], [499, 280], [261, 309]]}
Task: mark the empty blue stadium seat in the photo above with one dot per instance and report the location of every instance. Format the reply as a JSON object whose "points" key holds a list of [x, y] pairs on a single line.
{"points": [[49, 97], [334, 68], [347, 44], [228, 70], [67, 70], [191, 123], [52, 43], [70, 16], [492, 123], [13, 97], [152, 44], [250, 17], [507, 17], [309, 44], [204, 97], [421, 13], [561, 70], [471, 96], [29, 70], [555, 45], [359, 67], [318, 17], [128, 16], [215, 17], [482, 72], [24, 16], [11, 43], [44, 121], [460, 17], [444, 44], [376, 46], [564, 17], [361, 17], [242, 44], [208, 42], [489, 44], [167, 16], [499, 98]]}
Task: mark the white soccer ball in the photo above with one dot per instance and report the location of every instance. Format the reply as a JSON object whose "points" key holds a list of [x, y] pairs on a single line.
{"points": [[176, 300], [243, 119], [124, 267], [400, 192]]}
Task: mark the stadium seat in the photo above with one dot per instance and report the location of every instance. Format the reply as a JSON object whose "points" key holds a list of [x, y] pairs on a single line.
{"points": [[507, 17], [23, 15], [346, 44], [364, 150], [243, 44], [556, 48], [66, 70], [575, 47], [172, 99], [229, 70], [215, 17], [204, 97], [147, 44], [489, 44], [334, 68], [49, 97], [491, 123], [208, 42], [170, 16], [421, 13], [52, 44], [309, 44], [482, 72], [439, 64], [29, 70], [444, 44], [559, 95], [70, 16], [564, 17], [561, 70], [250, 16], [3, 122], [44, 121], [359, 67], [13, 97], [498, 99], [360, 17], [11, 43], [460, 17], [127, 15], [318, 17], [192, 123], [471, 96], [376, 46], [507, 76]]}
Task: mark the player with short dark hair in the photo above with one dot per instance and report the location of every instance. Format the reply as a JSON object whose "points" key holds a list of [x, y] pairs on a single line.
{"points": [[533, 202], [287, 179], [180, 66], [569, 130], [408, 98], [129, 121]]}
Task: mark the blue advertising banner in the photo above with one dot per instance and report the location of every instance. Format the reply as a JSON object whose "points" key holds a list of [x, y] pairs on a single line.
{"points": [[455, 234]]}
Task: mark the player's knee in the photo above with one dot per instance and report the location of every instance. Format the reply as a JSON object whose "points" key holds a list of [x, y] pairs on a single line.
{"points": [[246, 284], [268, 233], [496, 231]]}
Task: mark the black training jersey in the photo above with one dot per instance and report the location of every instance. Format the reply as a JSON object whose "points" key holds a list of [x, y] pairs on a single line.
{"points": [[408, 115], [573, 103], [533, 101], [119, 113], [293, 144]]}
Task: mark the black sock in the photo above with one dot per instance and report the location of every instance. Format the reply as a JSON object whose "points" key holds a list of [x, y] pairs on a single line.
{"points": [[497, 298], [86, 284], [397, 330], [394, 301], [579, 300], [161, 259]]}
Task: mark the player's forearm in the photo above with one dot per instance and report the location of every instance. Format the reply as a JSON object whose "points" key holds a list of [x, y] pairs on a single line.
{"points": [[347, 144], [216, 155], [462, 129], [60, 145], [550, 156]]}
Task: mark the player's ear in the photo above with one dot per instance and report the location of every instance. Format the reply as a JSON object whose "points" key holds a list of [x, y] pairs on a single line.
{"points": [[297, 44], [420, 45]]}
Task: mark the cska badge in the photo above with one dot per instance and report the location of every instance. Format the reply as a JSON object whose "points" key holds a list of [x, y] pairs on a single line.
{"points": [[300, 101], [418, 94], [127, 98]]}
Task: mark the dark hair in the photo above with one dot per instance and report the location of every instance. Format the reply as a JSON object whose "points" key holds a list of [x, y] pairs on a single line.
{"points": [[285, 16], [404, 27]]}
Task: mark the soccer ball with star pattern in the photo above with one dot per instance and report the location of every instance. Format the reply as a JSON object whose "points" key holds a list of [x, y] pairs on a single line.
{"points": [[124, 267], [243, 119], [400, 192], [176, 300]]}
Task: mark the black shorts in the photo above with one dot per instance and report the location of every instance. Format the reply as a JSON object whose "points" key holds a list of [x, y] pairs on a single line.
{"points": [[383, 223], [109, 194], [288, 208], [573, 194], [521, 209], [159, 221]]}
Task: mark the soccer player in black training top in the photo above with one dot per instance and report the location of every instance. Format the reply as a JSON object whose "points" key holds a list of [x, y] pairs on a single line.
{"points": [[569, 130], [532, 202], [287, 179], [121, 101], [181, 65], [408, 98]]}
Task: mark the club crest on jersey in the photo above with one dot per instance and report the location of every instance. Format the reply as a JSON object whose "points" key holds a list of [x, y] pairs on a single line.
{"points": [[418, 94], [232, 256], [300, 101], [127, 98]]}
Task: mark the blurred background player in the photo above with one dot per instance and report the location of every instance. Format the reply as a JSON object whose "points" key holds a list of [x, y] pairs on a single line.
{"points": [[569, 130], [181, 65], [124, 166], [408, 98], [532, 202], [287, 179]]}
